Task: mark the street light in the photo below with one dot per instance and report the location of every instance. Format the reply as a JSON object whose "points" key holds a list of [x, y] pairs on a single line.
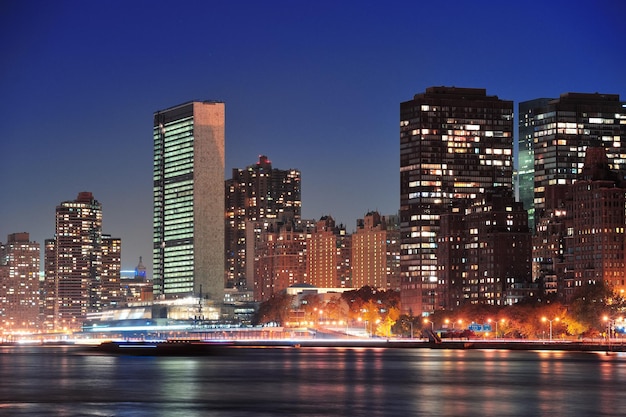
{"points": [[431, 323], [543, 319], [611, 325], [496, 321]]}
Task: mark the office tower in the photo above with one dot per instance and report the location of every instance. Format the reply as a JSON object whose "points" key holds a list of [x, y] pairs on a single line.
{"points": [[527, 124], [188, 222], [484, 251], [280, 258], [554, 134], [455, 143], [375, 253], [256, 196], [19, 283], [80, 277], [328, 255]]}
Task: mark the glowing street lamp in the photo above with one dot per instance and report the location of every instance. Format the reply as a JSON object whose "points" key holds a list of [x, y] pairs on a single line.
{"points": [[496, 322], [611, 325], [431, 324], [543, 319]]}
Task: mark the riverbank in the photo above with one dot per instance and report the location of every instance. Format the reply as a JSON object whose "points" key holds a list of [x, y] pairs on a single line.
{"points": [[445, 344], [198, 347]]}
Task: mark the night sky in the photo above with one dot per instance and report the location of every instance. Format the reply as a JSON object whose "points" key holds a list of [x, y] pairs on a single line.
{"points": [[314, 85]]}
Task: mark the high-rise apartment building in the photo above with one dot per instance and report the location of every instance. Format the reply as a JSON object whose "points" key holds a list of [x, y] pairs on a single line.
{"points": [[188, 222], [82, 266], [375, 253], [19, 283], [597, 220], [553, 137], [484, 251], [110, 292], [328, 255], [256, 196], [280, 258], [454, 144]]}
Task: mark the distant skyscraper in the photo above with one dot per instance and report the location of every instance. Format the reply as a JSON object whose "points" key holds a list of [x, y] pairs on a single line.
{"points": [[528, 123], [110, 277], [454, 144], [328, 255], [188, 237], [139, 287], [255, 197], [375, 253], [140, 271], [82, 265], [553, 137], [19, 283]]}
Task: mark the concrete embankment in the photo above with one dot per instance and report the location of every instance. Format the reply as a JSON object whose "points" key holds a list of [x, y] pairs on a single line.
{"points": [[455, 344]]}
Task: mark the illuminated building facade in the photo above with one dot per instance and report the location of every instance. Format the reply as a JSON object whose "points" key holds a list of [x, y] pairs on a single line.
{"points": [[484, 251], [553, 137], [375, 253], [280, 258], [188, 189], [328, 255], [19, 283], [255, 197], [549, 239], [82, 266], [455, 143], [528, 122], [110, 292], [595, 247]]}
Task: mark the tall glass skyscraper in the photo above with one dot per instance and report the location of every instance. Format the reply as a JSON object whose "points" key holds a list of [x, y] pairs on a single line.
{"points": [[188, 222], [454, 144], [554, 135]]}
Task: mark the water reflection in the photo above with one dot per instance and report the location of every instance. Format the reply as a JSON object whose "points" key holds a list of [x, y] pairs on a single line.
{"points": [[313, 382]]}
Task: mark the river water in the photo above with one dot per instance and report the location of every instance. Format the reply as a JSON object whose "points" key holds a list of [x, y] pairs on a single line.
{"points": [[67, 381]]}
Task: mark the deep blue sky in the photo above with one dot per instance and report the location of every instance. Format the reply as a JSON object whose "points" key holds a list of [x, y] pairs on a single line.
{"points": [[315, 85]]}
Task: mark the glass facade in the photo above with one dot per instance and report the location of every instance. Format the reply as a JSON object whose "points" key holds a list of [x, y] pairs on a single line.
{"points": [[555, 134], [526, 155], [188, 189], [173, 208]]}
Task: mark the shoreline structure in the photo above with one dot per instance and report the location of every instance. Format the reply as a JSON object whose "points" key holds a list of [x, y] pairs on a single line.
{"points": [[202, 347]]}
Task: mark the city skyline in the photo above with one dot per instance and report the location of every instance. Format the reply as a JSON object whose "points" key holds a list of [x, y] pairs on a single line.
{"points": [[314, 87]]}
